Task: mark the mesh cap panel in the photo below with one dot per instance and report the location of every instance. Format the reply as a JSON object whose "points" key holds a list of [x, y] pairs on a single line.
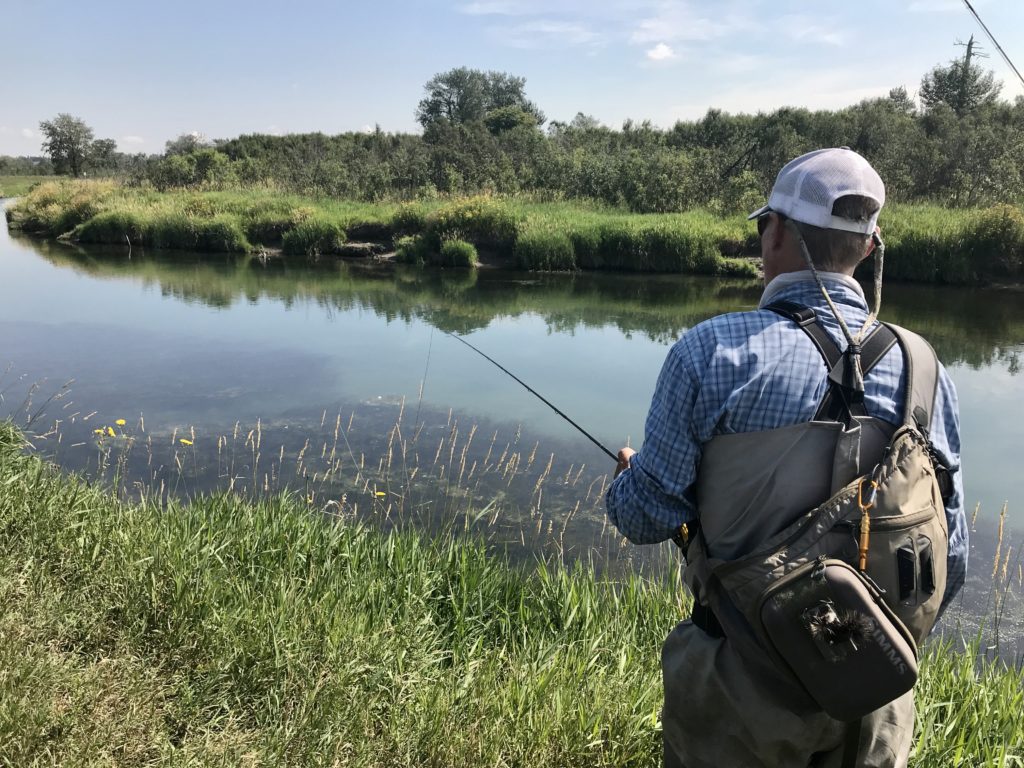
{"points": [[807, 188]]}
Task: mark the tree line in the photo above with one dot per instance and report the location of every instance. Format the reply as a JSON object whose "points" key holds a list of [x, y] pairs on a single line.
{"points": [[958, 144]]}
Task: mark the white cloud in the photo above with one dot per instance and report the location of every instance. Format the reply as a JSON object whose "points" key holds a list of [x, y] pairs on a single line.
{"points": [[661, 52], [28, 133], [548, 34], [676, 21], [132, 140]]}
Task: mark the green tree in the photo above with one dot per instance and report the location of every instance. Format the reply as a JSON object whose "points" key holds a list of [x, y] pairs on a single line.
{"points": [[464, 95], [505, 119], [185, 144], [67, 140], [962, 85], [102, 154]]}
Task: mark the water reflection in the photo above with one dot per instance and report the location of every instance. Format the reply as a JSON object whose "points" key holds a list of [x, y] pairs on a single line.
{"points": [[286, 351], [978, 327]]}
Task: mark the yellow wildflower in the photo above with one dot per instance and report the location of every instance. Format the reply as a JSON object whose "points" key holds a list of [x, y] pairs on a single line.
{"points": [[381, 493], [111, 432], [120, 422], [98, 431], [184, 441]]}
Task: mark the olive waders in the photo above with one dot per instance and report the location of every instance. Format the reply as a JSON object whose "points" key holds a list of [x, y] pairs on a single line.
{"points": [[727, 702]]}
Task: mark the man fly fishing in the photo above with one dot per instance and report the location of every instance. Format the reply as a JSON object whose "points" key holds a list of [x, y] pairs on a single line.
{"points": [[806, 459]]}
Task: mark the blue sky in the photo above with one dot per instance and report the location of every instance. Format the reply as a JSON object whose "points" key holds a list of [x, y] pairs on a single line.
{"points": [[142, 73]]}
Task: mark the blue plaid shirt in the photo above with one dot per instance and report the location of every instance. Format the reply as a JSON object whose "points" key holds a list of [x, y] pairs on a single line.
{"points": [[755, 371]]}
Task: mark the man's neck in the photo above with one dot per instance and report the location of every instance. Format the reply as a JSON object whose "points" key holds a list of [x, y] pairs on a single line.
{"points": [[786, 279]]}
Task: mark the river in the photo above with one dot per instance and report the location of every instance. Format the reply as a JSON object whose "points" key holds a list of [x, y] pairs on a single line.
{"points": [[271, 376]]}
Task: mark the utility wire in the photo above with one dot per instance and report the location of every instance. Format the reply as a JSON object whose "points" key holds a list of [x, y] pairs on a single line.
{"points": [[537, 394], [994, 41]]}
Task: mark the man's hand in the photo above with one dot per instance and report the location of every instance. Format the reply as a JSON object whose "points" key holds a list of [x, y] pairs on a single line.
{"points": [[625, 454]]}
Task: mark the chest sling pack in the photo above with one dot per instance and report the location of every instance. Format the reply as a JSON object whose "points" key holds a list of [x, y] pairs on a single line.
{"points": [[841, 597]]}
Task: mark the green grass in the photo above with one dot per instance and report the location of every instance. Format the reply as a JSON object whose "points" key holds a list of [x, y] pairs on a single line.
{"points": [[234, 633], [925, 243], [15, 186], [600, 238]]}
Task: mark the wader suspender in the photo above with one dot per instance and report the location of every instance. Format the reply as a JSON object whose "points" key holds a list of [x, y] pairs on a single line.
{"points": [[841, 401]]}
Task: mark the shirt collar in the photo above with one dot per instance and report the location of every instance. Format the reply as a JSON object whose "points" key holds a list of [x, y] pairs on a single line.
{"points": [[787, 279]]}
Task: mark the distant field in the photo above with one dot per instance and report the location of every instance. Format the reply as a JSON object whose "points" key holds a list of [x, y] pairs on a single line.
{"points": [[13, 186]]}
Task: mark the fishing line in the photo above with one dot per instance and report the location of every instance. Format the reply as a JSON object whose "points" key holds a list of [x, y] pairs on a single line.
{"points": [[423, 381], [536, 394]]}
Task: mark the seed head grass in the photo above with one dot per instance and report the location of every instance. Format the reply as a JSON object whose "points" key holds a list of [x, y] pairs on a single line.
{"points": [[246, 631]]}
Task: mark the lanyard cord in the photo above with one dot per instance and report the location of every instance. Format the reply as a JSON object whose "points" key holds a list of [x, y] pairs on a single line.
{"points": [[852, 340]]}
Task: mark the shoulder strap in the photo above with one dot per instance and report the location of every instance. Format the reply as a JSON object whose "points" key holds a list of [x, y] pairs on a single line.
{"points": [[835, 406], [922, 378]]}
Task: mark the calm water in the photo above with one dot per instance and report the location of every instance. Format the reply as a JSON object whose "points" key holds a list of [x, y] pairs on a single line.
{"points": [[319, 359]]}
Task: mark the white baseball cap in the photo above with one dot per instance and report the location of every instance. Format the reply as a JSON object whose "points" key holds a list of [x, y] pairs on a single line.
{"points": [[806, 189]]}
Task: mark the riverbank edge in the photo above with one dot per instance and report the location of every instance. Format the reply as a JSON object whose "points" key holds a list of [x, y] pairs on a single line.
{"points": [[230, 632], [523, 234], [925, 243]]}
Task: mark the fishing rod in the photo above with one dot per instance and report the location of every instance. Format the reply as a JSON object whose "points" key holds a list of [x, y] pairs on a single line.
{"points": [[536, 394]]}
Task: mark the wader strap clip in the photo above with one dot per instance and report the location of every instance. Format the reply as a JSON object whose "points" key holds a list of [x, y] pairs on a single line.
{"points": [[844, 398]]}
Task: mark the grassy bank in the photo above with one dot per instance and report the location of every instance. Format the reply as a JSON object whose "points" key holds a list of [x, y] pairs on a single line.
{"points": [[925, 243], [230, 633], [15, 186], [584, 237]]}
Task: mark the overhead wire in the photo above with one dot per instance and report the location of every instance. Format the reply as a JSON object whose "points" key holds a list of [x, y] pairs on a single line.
{"points": [[995, 42]]}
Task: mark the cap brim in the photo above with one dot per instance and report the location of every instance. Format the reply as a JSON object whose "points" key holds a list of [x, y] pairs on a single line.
{"points": [[759, 212]]}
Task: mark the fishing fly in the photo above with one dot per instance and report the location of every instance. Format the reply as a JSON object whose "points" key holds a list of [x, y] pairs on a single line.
{"points": [[536, 394]]}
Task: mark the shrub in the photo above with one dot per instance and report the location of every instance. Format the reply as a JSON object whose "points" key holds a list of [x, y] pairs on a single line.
{"points": [[737, 268], [222, 233], [312, 237], [411, 249], [111, 227], [481, 220], [545, 249], [57, 207], [673, 248], [408, 220], [369, 231], [172, 230], [586, 247], [456, 253], [996, 239]]}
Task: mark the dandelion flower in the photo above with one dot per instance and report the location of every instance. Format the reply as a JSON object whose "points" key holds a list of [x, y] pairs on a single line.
{"points": [[111, 432], [98, 431], [381, 493], [120, 422], [184, 441]]}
